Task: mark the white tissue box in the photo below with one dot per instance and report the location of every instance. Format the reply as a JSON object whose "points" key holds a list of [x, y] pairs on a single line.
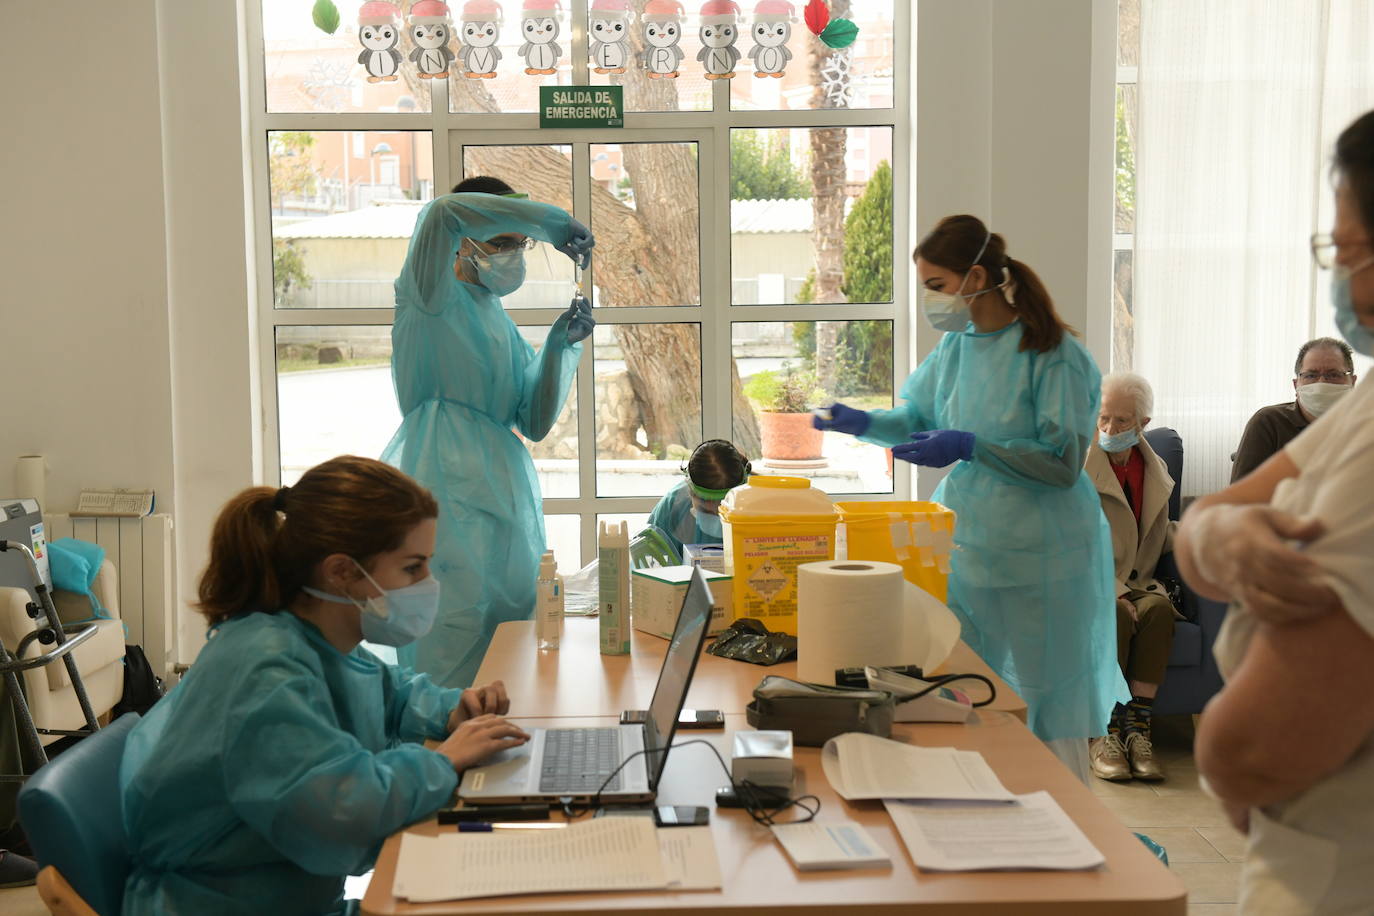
{"points": [[763, 758], [707, 556], [657, 592]]}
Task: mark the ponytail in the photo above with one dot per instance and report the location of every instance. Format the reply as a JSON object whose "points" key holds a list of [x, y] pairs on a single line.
{"points": [[959, 243], [266, 543], [1043, 328]]}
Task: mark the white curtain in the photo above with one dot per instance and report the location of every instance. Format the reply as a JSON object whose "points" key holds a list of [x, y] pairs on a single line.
{"points": [[1240, 102]]}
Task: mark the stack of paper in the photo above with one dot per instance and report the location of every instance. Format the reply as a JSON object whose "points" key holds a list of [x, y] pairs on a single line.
{"points": [[606, 854], [814, 846], [1034, 833], [866, 766]]}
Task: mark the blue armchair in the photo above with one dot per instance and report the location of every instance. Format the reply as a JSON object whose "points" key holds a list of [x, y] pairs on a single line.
{"points": [[1192, 678]]}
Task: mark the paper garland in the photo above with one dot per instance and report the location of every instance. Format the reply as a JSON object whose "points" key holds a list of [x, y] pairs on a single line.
{"points": [[431, 29]]}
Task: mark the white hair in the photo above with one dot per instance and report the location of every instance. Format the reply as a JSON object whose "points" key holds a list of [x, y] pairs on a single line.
{"points": [[1136, 387]]}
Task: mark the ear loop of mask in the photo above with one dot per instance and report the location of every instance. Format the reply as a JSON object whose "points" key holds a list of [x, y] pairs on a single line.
{"points": [[976, 258]]}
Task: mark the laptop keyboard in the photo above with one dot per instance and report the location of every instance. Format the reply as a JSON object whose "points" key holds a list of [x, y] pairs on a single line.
{"points": [[579, 759]]}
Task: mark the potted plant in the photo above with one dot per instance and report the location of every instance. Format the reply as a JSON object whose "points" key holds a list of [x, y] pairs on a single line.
{"points": [[785, 398]]}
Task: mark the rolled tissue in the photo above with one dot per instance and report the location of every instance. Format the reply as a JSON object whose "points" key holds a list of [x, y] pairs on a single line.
{"points": [[862, 612]]}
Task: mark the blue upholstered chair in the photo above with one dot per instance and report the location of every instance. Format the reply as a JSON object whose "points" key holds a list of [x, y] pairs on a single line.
{"points": [[1192, 678], [70, 809]]}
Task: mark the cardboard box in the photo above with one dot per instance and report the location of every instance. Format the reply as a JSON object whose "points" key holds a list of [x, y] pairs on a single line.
{"points": [[707, 556], [657, 592]]}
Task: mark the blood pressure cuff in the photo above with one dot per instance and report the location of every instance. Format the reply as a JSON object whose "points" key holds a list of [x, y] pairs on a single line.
{"points": [[815, 713]]}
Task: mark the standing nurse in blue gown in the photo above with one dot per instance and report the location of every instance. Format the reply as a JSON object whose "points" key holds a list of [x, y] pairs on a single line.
{"points": [[1012, 396], [467, 382]]}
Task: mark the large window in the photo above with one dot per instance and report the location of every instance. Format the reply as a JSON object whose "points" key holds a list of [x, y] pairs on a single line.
{"points": [[748, 262]]}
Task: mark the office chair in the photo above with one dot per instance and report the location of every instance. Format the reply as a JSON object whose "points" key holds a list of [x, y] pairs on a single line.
{"points": [[71, 812]]}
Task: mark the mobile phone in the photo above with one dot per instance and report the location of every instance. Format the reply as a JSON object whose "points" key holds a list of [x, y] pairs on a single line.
{"points": [[688, 718], [681, 816]]}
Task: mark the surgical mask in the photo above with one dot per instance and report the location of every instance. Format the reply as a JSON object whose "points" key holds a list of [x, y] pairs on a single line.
{"points": [[1318, 397], [396, 617], [950, 311], [1360, 338], [501, 273], [1120, 442], [709, 524]]}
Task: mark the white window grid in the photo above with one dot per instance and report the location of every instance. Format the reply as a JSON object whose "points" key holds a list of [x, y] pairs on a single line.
{"points": [[710, 130]]}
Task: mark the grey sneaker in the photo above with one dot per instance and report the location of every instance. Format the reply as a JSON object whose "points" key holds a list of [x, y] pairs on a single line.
{"points": [[1108, 757], [1142, 755], [17, 871]]}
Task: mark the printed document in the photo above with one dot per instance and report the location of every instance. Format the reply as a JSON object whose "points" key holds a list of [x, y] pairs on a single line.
{"points": [[1035, 833], [866, 766]]}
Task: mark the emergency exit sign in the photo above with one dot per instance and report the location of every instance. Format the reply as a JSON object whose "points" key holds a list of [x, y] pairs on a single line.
{"points": [[581, 106]]}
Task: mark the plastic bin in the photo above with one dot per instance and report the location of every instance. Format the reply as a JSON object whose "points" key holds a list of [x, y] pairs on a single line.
{"points": [[918, 536], [772, 526]]}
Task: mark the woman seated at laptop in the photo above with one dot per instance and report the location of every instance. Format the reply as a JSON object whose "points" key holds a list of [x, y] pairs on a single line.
{"points": [[288, 753]]}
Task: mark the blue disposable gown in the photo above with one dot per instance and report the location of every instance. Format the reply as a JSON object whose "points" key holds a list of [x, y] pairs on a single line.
{"points": [[465, 379], [1031, 580], [674, 517], [276, 767]]}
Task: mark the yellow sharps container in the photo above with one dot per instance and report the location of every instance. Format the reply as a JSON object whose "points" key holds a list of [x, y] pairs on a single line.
{"points": [[918, 536], [772, 526]]}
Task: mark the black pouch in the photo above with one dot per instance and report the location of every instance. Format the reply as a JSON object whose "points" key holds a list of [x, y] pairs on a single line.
{"points": [[815, 713], [748, 640]]}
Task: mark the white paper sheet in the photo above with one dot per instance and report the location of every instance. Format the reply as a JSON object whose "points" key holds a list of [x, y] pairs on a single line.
{"points": [[817, 845], [606, 854], [866, 766], [689, 858], [1035, 833]]}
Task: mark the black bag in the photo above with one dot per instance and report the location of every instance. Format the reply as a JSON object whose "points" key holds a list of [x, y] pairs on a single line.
{"points": [[142, 688], [815, 713]]}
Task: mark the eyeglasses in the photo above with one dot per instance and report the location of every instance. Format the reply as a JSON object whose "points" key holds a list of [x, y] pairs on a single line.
{"points": [[1337, 376], [501, 246], [1324, 248]]}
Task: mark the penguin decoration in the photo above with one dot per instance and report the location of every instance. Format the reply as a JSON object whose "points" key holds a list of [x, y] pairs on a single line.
{"points": [[539, 28], [662, 33], [431, 28], [608, 21], [772, 27], [719, 32], [379, 31], [481, 31]]}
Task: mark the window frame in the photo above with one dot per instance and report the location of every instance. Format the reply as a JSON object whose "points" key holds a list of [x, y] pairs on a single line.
{"points": [[716, 314]]}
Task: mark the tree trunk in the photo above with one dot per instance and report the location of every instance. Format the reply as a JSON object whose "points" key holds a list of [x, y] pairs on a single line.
{"points": [[828, 190], [656, 244]]}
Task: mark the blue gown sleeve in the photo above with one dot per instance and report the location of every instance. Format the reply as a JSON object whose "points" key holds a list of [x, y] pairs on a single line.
{"points": [[893, 427], [1067, 396], [547, 381], [427, 279], [309, 787], [667, 515], [417, 708]]}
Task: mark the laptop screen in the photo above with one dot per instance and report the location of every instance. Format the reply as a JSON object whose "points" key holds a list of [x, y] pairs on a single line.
{"points": [[676, 675]]}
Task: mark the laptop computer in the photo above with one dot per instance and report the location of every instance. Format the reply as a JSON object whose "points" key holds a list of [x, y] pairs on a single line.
{"points": [[573, 763]]}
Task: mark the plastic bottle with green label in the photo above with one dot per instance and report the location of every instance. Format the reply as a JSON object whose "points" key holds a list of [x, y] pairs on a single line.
{"points": [[613, 559]]}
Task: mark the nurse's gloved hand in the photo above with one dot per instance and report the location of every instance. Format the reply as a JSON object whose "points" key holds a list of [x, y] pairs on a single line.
{"points": [[580, 320], [843, 420], [937, 448], [579, 244]]}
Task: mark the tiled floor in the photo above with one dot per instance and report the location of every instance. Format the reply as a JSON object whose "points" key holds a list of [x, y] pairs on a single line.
{"points": [[1203, 849]]}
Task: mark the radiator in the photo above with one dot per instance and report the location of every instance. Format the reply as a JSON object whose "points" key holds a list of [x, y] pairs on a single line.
{"points": [[141, 550]]}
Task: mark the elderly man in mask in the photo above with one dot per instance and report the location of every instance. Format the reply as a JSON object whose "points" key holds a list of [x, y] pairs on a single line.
{"points": [[1323, 374], [1134, 486]]}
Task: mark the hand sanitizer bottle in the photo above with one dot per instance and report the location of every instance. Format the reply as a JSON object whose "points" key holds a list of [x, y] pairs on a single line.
{"points": [[548, 608]]}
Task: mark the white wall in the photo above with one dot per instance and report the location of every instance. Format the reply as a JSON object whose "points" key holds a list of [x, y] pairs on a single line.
{"points": [[1014, 114]]}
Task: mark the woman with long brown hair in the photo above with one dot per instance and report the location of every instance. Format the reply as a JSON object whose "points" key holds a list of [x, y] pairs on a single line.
{"points": [[288, 753], [1012, 396]]}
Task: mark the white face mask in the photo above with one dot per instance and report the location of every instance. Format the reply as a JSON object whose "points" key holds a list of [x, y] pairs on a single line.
{"points": [[1319, 397], [950, 311]]}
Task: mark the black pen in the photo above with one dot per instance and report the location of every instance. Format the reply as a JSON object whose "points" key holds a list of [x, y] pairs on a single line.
{"points": [[493, 813]]}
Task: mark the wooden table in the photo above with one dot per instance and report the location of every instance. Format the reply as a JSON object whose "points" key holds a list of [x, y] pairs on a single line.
{"points": [[758, 878], [577, 680]]}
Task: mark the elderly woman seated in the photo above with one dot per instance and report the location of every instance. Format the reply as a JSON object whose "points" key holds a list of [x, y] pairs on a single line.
{"points": [[1135, 487]]}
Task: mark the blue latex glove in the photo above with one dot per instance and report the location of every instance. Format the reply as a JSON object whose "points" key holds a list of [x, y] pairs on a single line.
{"points": [[936, 448], [580, 320], [579, 244], [844, 420]]}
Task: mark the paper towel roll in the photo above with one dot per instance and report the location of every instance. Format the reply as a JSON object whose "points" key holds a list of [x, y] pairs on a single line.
{"points": [[859, 612], [31, 479]]}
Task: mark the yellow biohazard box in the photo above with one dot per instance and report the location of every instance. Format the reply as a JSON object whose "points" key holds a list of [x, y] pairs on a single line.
{"points": [[772, 526], [657, 593], [918, 536]]}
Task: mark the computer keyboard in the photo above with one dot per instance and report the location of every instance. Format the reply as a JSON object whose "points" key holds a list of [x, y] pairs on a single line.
{"points": [[579, 759]]}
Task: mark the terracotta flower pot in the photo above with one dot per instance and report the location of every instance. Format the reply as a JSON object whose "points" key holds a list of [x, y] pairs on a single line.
{"points": [[790, 437]]}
